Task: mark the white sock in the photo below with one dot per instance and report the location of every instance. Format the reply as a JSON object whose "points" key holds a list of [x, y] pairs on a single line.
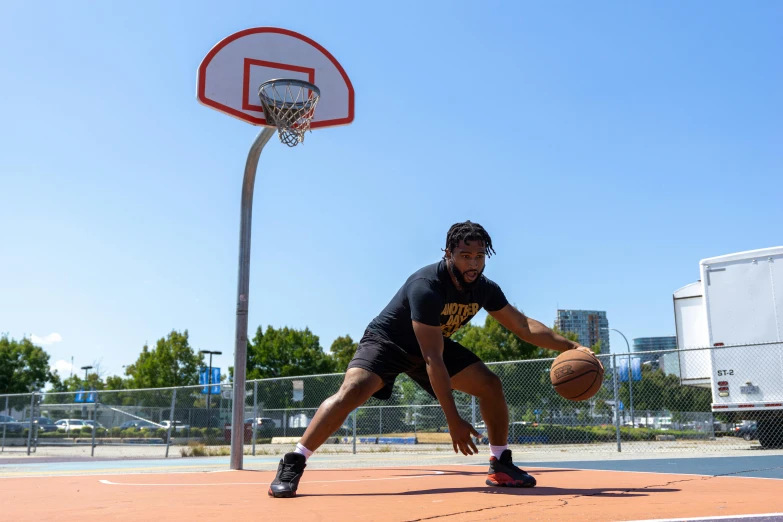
{"points": [[304, 451], [497, 450]]}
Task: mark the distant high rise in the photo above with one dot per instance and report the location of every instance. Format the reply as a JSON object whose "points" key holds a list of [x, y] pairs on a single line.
{"points": [[670, 363], [653, 344], [590, 325]]}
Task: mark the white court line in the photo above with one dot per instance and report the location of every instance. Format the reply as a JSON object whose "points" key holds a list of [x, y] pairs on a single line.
{"points": [[110, 483], [726, 517], [162, 470], [118, 471]]}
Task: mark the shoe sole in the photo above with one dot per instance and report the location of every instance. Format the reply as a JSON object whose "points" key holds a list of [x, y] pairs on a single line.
{"points": [[514, 484]]}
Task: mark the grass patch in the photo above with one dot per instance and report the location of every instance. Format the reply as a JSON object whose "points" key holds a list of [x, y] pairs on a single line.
{"points": [[198, 449]]}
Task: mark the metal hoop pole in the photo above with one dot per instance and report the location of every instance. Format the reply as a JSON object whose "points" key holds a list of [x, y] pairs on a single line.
{"points": [[243, 287]]}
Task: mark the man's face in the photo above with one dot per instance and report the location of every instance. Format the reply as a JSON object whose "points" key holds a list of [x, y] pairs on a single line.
{"points": [[467, 262]]}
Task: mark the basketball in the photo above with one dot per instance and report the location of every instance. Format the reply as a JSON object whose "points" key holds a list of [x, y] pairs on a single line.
{"points": [[576, 375]]}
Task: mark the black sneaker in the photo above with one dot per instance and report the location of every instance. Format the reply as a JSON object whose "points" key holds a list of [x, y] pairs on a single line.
{"points": [[503, 473], [288, 474]]}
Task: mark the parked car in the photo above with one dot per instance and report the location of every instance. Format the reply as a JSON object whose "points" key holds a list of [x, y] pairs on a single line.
{"points": [[178, 425], [94, 424], [45, 424], [262, 423], [748, 431], [12, 427], [69, 425], [264, 428]]}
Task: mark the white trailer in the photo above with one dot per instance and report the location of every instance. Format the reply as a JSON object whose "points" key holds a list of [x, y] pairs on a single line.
{"points": [[736, 310]]}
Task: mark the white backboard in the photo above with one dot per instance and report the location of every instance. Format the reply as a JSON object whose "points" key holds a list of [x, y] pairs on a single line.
{"points": [[229, 76]]}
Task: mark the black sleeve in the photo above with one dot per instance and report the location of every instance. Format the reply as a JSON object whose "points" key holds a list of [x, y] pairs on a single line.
{"points": [[425, 302], [494, 299]]}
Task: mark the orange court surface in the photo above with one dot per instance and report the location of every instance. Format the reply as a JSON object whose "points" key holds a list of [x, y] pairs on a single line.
{"points": [[444, 492]]}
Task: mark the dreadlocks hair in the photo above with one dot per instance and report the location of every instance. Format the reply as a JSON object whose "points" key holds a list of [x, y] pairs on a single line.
{"points": [[468, 231]]}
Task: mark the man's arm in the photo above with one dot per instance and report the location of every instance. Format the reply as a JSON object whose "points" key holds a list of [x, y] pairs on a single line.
{"points": [[431, 343], [532, 331]]}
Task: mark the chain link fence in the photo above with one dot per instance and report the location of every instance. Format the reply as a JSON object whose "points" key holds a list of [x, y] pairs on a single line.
{"points": [[698, 400]]}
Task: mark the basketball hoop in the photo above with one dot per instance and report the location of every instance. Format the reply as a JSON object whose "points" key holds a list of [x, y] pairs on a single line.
{"points": [[289, 105]]}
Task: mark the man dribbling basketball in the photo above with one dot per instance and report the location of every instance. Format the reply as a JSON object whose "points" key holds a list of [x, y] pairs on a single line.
{"points": [[411, 335]]}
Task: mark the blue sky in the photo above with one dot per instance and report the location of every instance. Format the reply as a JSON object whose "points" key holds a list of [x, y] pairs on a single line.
{"points": [[606, 146]]}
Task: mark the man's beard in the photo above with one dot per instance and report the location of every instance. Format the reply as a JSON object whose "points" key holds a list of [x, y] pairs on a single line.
{"points": [[464, 285]]}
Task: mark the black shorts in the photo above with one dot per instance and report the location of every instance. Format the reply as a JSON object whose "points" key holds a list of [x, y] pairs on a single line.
{"points": [[387, 360]]}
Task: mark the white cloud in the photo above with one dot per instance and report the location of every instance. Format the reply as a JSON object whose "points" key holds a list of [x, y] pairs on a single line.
{"points": [[62, 367], [47, 340]]}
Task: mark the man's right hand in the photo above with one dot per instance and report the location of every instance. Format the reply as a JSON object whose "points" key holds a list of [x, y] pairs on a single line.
{"points": [[461, 432]]}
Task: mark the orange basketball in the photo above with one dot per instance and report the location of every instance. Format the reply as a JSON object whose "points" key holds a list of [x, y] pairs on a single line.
{"points": [[576, 375]]}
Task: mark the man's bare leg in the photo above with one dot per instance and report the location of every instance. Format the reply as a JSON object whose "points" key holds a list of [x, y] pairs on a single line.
{"points": [[358, 386], [479, 381], [482, 383]]}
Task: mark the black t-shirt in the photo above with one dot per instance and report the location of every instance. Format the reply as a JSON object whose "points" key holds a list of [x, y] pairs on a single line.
{"points": [[430, 297]]}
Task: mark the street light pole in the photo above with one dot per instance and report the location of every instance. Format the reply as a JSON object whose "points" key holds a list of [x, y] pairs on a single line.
{"points": [[630, 376], [85, 368], [209, 379]]}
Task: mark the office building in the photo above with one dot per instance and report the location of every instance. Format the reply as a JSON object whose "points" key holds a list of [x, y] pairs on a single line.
{"points": [[590, 326], [653, 344]]}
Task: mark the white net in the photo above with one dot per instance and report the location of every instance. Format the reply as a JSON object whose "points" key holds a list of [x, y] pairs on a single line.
{"points": [[290, 106]]}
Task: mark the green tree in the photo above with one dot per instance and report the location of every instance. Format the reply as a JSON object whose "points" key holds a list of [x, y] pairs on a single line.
{"points": [[342, 351], [63, 391], [527, 387], [286, 352], [494, 342], [657, 391], [69, 384], [171, 363], [115, 382], [24, 367]]}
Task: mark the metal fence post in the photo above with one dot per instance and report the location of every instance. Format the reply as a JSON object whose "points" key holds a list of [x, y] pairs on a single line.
{"points": [[380, 421], [354, 431], [171, 420], [616, 403], [7, 413], [285, 414], [255, 414], [512, 435], [630, 391], [473, 410], [30, 429], [94, 428]]}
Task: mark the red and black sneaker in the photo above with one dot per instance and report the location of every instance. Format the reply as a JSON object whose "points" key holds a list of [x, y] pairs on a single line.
{"points": [[288, 474], [503, 473]]}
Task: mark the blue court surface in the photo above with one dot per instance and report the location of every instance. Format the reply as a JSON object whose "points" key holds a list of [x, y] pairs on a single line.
{"points": [[771, 517], [756, 466], [761, 466]]}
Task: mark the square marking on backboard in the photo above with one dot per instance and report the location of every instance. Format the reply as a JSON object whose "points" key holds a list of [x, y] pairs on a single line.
{"points": [[259, 71]]}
